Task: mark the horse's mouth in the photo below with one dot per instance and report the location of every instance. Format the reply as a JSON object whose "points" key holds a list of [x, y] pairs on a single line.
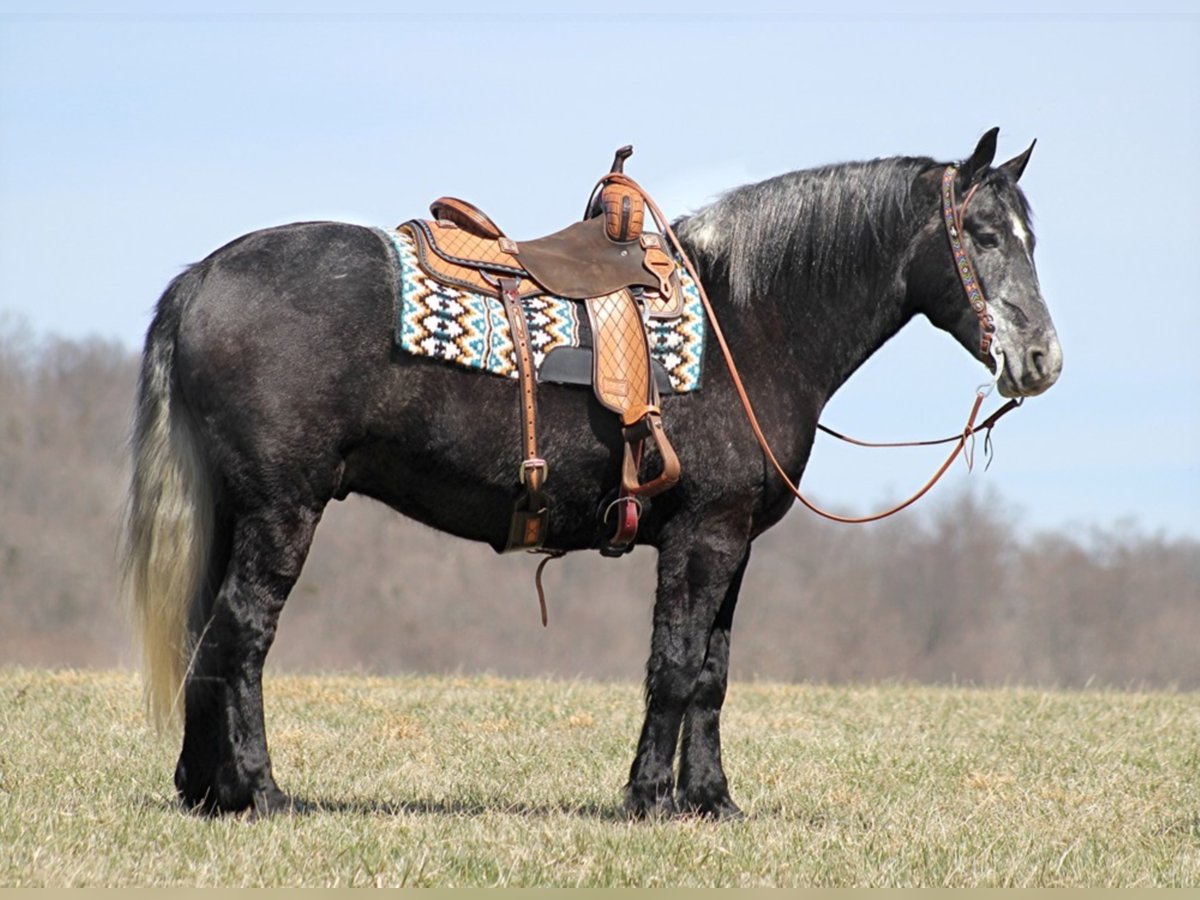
{"points": [[1041, 370]]}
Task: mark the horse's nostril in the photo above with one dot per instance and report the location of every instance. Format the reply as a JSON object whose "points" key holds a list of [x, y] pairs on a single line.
{"points": [[1035, 360]]}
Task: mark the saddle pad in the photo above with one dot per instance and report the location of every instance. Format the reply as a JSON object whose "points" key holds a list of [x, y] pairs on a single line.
{"points": [[470, 329]]}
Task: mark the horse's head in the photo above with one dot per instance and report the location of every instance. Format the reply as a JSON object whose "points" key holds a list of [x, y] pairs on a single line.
{"points": [[985, 214]]}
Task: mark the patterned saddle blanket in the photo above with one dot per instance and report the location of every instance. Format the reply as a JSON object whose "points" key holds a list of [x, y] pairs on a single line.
{"points": [[465, 324]]}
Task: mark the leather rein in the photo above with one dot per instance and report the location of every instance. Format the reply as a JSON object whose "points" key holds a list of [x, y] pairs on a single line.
{"points": [[952, 215]]}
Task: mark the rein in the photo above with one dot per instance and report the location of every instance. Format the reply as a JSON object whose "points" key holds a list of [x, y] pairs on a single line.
{"points": [[953, 218]]}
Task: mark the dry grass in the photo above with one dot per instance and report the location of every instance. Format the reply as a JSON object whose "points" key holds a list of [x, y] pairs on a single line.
{"points": [[482, 781]]}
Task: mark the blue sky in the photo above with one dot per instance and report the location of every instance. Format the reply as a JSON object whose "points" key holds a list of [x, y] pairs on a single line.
{"points": [[135, 140]]}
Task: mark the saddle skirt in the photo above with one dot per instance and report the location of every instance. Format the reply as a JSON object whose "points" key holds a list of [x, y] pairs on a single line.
{"points": [[447, 309]]}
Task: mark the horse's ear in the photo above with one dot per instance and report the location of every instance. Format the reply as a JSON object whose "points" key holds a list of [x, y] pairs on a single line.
{"points": [[985, 152], [1015, 166]]}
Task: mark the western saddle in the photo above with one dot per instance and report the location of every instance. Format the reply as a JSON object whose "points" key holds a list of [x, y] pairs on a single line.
{"points": [[622, 273]]}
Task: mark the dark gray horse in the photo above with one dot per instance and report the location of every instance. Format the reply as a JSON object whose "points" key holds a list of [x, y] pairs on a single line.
{"points": [[270, 385]]}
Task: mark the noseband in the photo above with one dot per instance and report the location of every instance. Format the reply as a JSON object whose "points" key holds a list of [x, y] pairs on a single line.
{"points": [[952, 215]]}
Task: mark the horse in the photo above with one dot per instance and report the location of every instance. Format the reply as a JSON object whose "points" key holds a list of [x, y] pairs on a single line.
{"points": [[270, 385]]}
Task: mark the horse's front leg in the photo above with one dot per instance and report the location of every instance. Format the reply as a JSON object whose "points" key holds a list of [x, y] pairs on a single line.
{"points": [[696, 569], [702, 785]]}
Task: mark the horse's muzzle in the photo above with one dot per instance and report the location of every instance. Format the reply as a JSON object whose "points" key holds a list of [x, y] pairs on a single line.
{"points": [[1032, 369]]}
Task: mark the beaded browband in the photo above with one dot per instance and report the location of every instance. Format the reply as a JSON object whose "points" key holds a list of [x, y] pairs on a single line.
{"points": [[953, 216]]}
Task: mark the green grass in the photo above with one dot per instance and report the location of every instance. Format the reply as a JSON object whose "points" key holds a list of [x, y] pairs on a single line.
{"points": [[482, 781]]}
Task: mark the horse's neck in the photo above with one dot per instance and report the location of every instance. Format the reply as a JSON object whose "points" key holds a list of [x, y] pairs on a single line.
{"points": [[847, 330], [811, 343], [833, 295]]}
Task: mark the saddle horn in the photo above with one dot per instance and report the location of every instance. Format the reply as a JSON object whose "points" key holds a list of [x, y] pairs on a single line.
{"points": [[621, 205]]}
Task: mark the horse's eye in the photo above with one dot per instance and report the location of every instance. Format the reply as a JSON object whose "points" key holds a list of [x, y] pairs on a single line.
{"points": [[987, 240]]}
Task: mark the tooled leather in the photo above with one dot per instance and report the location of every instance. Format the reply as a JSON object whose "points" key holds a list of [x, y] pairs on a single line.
{"points": [[662, 266], [472, 251], [624, 212], [661, 306], [458, 245], [621, 359]]}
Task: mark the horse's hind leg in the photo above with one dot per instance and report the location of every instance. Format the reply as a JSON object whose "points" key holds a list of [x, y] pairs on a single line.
{"points": [[697, 572], [224, 765]]}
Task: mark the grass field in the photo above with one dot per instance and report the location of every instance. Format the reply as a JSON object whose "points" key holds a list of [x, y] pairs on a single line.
{"points": [[482, 781]]}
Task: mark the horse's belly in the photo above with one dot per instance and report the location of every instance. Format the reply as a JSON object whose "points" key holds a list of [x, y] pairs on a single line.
{"points": [[451, 456]]}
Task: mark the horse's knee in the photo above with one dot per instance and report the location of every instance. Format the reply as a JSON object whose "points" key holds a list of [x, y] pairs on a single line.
{"points": [[672, 680]]}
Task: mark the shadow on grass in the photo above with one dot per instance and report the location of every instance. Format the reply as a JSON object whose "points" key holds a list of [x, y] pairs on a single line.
{"points": [[308, 806], [459, 808]]}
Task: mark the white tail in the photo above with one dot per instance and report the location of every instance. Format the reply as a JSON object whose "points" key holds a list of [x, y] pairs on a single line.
{"points": [[169, 518]]}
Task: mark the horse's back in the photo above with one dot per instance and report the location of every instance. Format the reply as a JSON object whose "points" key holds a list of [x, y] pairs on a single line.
{"points": [[307, 281]]}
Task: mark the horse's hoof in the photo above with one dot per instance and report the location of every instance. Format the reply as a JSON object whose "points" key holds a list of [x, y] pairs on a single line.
{"points": [[649, 802], [725, 811], [270, 801], [193, 805], [718, 808], [275, 802]]}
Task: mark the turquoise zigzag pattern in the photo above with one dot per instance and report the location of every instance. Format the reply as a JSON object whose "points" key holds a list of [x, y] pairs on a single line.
{"points": [[470, 329]]}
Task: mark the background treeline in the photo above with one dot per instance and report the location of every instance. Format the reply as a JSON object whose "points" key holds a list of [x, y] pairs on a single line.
{"points": [[952, 592]]}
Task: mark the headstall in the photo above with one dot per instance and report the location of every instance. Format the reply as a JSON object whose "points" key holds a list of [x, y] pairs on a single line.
{"points": [[952, 215]]}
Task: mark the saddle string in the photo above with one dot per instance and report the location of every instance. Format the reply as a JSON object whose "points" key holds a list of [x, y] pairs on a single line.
{"points": [[961, 440], [537, 577]]}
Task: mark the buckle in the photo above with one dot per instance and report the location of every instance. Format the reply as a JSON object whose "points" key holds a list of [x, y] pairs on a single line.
{"points": [[532, 465]]}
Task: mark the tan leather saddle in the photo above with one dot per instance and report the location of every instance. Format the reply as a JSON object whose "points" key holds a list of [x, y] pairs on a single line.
{"points": [[621, 272]]}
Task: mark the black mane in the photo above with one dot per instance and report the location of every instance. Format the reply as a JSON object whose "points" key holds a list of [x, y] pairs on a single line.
{"points": [[822, 231]]}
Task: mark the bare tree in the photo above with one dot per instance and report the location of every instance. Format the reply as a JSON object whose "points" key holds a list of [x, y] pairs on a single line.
{"points": [[945, 593]]}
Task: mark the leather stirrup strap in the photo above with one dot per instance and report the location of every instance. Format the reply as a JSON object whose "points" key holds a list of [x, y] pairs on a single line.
{"points": [[527, 530], [641, 424]]}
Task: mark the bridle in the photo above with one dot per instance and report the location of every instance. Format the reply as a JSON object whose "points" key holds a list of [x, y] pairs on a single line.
{"points": [[952, 216], [953, 219]]}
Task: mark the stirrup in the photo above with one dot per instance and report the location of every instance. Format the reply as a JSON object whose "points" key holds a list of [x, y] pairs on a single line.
{"points": [[649, 426], [621, 514]]}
